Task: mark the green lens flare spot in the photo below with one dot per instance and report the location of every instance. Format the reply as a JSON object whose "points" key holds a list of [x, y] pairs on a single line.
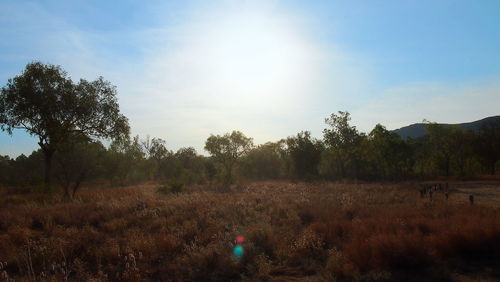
{"points": [[238, 252]]}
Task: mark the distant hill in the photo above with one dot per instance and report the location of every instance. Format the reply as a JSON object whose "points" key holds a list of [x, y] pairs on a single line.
{"points": [[417, 129]]}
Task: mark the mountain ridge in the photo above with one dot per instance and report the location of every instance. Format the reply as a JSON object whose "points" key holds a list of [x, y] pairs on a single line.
{"points": [[418, 129]]}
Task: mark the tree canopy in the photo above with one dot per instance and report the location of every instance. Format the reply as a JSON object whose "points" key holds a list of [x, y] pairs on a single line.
{"points": [[343, 139], [305, 153], [227, 149], [45, 102]]}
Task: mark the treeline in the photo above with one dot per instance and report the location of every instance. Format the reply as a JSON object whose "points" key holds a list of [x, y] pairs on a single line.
{"points": [[125, 161], [68, 117], [342, 153]]}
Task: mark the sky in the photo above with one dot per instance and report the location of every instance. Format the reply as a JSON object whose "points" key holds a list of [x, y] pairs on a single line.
{"points": [[188, 69]]}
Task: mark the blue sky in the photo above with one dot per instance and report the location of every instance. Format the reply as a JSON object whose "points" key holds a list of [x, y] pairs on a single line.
{"points": [[186, 69]]}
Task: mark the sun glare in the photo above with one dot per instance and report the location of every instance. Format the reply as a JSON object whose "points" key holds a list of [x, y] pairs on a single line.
{"points": [[252, 59]]}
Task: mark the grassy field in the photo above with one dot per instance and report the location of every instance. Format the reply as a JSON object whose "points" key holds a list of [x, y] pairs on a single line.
{"points": [[290, 231]]}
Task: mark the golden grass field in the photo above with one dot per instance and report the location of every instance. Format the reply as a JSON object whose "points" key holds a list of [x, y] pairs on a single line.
{"points": [[292, 232]]}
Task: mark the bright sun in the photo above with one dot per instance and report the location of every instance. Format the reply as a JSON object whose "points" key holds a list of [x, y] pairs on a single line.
{"points": [[250, 59]]}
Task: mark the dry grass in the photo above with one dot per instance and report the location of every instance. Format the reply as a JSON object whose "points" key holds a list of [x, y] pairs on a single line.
{"points": [[293, 232]]}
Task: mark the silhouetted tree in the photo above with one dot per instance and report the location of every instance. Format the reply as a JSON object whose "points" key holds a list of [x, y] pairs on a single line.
{"points": [[191, 165], [305, 153], [46, 103], [421, 156], [343, 140], [488, 145], [156, 152], [389, 152], [6, 169], [463, 148], [227, 150], [447, 143], [265, 161], [77, 160], [124, 160], [210, 168]]}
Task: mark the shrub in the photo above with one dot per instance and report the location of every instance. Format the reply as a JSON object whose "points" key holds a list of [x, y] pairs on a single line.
{"points": [[176, 187], [173, 187], [164, 189]]}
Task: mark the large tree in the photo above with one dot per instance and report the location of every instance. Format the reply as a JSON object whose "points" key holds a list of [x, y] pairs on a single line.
{"points": [[156, 152], [45, 102], [488, 145], [447, 141], [267, 161], [305, 153], [389, 154], [343, 140], [227, 150]]}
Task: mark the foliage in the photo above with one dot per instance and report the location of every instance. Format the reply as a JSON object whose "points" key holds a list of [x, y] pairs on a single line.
{"points": [[305, 153], [77, 160], [444, 143], [125, 160], [174, 187], [451, 147], [487, 145], [389, 154], [228, 149], [380, 155], [45, 102], [191, 165], [344, 141], [156, 151], [265, 161]]}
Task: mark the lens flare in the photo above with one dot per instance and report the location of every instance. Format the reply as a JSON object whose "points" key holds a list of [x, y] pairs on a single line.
{"points": [[240, 239], [238, 252]]}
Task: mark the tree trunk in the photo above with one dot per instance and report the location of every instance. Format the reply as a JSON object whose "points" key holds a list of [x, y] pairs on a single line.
{"points": [[492, 167]]}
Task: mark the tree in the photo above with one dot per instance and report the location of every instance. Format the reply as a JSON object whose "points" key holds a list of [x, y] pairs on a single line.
{"points": [[265, 161], [446, 141], [156, 152], [463, 148], [342, 139], [305, 153], [191, 165], [227, 150], [6, 169], [77, 160], [390, 154], [124, 160], [210, 169], [488, 146], [45, 102]]}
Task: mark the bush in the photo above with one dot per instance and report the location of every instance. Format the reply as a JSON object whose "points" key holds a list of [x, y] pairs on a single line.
{"points": [[164, 189], [176, 187], [173, 187]]}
